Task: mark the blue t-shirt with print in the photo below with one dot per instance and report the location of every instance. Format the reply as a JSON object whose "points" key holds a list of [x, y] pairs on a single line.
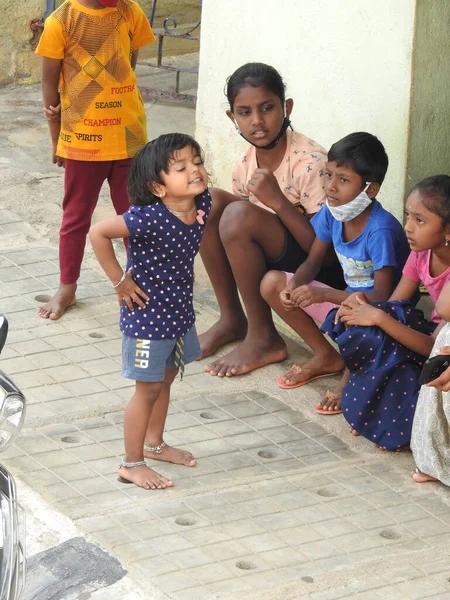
{"points": [[382, 243], [161, 251]]}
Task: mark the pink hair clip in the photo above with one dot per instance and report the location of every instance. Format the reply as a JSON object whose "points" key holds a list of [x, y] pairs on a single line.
{"points": [[200, 215]]}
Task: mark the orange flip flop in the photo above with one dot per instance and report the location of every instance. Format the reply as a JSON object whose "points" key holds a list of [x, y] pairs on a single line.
{"points": [[288, 386], [322, 411]]}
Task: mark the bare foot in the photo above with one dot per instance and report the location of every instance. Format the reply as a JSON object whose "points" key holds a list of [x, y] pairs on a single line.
{"points": [[171, 455], [56, 306], [420, 477], [144, 477], [248, 356], [332, 400], [221, 333], [318, 366]]}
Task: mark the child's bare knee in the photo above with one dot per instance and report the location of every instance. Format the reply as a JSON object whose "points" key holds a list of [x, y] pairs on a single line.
{"points": [[233, 222], [272, 284]]}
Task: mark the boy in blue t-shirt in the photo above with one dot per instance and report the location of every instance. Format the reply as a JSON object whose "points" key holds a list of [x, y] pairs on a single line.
{"points": [[369, 242]]}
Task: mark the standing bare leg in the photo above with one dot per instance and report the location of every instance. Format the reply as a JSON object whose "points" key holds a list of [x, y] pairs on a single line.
{"points": [[155, 429], [137, 415]]}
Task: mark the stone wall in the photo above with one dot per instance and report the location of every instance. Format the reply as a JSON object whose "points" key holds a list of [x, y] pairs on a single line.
{"points": [[19, 64]]}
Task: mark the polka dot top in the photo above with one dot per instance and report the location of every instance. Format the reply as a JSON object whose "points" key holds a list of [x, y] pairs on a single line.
{"points": [[161, 251]]}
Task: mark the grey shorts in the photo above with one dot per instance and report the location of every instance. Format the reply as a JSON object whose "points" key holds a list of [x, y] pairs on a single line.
{"points": [[147, 360]]}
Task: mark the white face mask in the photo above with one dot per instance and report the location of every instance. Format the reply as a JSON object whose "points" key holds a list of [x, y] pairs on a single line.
{"points": [[351, 210]]}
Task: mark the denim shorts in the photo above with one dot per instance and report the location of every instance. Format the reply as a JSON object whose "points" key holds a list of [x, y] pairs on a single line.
{"points": [[147, 360]]}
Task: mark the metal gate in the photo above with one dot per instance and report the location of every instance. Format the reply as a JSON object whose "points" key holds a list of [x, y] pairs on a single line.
{"points": [[168, 31], [169, 26]]}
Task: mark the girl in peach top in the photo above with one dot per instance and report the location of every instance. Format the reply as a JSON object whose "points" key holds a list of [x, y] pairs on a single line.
{"points": [[278, 184]]}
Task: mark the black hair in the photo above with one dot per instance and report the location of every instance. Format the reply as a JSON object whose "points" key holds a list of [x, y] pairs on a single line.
{"points": [[151, 160], [435, 194], [363, 153], [255, 75]]}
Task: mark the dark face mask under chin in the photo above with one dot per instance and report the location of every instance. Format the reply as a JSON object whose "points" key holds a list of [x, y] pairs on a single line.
{"points": [[274, 142]]}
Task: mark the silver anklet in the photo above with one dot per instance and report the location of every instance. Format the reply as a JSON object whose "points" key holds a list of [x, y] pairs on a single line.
{"points": [[156, 449], [132, 465]]}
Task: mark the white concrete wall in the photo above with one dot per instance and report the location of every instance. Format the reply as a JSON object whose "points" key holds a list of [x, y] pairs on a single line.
{"points": [[347, 64]]}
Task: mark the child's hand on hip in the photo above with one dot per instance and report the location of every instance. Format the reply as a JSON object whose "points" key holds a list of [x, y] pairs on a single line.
{"points": [[129, 292]]}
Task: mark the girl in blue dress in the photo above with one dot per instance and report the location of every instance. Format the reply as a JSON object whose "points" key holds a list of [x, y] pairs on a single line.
{"points": [[384, 344]]}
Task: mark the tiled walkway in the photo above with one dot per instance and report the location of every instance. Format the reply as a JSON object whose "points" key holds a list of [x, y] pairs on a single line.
{"points": [[283, 503]]}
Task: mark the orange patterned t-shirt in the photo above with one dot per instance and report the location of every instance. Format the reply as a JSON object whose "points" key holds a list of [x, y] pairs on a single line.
{"points": [[102, 112]]}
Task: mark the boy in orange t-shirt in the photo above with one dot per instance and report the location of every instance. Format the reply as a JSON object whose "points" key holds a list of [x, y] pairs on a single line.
{"points": [[96, 116]]}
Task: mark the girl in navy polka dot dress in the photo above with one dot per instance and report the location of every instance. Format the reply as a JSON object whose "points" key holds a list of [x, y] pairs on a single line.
{"points": [[170, 204]]}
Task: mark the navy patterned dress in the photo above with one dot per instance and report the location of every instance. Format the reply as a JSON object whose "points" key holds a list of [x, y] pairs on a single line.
{"points": [[380, 397]]}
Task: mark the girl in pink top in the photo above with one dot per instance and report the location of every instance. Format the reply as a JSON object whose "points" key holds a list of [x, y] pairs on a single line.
{"points": [[384, 346]]}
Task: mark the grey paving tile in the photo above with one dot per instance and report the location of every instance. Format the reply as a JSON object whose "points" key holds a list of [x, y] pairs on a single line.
{"points": [[85, 387], [93, 485], [36, 444], [371, 519], [192, 557], [226, 428], [278, 521], [218, 515], [428, 527], [251, 439], [42, 477], [210, 448], [12, 273], [282, 434], [207, 574], [259, 506], [52, 358], [241, 410], [65, 373], [174, 582], [263, 542], [303, 534], [205, 536], [226, 399], [335, 528], [41, 269], [156, 565], [100, 366], [196, 434], [420, 588], [89, 453], [212, 414], [283, 557], [15, 305], [62, 491], [88, 352], [302, 448], [48, 393], [193, 593], [114, 537], [236, 530], [55, 458]]}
